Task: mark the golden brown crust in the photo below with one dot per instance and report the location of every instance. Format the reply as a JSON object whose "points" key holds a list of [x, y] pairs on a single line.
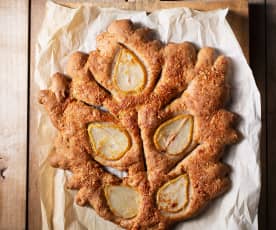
{"points": [[178, 81]]}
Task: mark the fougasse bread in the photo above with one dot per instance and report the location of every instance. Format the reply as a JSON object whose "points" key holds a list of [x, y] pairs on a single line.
{"points": [[154, 110]]}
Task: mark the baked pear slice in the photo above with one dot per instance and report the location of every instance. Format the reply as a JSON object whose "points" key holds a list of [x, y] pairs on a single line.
{"points": [[129, 74], [173, 196], [175, 135], [108, 140], [122, 200]]}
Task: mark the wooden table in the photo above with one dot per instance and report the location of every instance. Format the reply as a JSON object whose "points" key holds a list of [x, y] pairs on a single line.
{"points": [[19, 22]]}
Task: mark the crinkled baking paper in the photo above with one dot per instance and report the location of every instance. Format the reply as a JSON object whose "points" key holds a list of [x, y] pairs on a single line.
{"points": [[66, 30]]}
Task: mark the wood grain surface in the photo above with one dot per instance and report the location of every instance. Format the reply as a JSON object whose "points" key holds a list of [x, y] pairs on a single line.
{"points": [[20, 21], [13, 112], [37, 11]]}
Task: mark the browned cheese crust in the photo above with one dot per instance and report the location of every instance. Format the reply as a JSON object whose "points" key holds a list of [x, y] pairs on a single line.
{"points": [[178, 80]]}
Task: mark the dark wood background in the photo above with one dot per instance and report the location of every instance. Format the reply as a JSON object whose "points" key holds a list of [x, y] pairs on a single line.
{"points": [[262, 27]]}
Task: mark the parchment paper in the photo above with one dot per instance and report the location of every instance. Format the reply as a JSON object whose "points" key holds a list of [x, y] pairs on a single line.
{"points": [[66, 30]]}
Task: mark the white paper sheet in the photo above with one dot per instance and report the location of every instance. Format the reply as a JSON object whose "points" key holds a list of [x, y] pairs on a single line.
{"points": [[66, 30]]}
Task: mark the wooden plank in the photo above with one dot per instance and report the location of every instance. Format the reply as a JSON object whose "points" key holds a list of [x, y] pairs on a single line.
{"points": [[258, 65], [34, 212], [37, 12], [13, 112], [271, 111]]}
